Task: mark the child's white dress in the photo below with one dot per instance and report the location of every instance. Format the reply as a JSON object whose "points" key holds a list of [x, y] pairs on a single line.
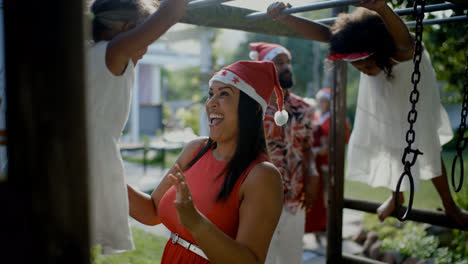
{"points": [[108, 106], [376, 145]]}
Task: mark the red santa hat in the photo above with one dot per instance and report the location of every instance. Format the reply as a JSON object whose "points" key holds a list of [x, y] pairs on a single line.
{"points": [[324, 93], [263, 51], [257, 79]]}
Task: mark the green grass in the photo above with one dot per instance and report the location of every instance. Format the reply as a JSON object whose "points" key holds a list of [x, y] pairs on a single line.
{"points": [[425, 198], [148, 250]]}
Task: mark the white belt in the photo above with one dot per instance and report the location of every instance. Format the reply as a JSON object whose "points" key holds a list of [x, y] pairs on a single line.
{"points": [[187, 245]]}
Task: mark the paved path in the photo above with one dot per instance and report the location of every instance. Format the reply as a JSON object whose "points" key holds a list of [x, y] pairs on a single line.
{"points": [[314, 252]]}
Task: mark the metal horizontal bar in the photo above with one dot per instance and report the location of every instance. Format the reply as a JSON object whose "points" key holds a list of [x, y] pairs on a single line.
{"points": [[204, 3], [429, 8], [353, 259], [439, 21], [316, 6], [402, 12], [418, 215]]}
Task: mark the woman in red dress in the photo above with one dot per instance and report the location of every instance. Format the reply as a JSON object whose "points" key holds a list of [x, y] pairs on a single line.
{"points": [[222, 199]]}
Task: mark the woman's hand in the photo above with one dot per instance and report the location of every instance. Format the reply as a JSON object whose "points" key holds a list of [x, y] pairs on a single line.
{"points": [[274, 10], [374, 5], [186, 211]]}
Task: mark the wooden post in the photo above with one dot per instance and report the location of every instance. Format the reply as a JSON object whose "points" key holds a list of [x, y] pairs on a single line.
{"points": [[336, 164], [47, 187]]}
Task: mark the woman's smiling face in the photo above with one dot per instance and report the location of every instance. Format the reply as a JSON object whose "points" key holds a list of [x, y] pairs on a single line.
{"points": [[222, 111]]}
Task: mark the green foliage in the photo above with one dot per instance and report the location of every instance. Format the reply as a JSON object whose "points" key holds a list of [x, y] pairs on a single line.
{"points": [[190, 117], [445, 256], [460, 243], [412, 241], [448, 46], [183, 83], [385, 230], [461, 198], [148, 250], [167, 112]]}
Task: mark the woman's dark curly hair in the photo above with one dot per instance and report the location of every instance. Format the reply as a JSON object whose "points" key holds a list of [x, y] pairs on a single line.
{"points": [[363, 31]]}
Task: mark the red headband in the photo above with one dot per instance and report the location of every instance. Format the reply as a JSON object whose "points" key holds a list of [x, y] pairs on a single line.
{"points": [[350, 57]]}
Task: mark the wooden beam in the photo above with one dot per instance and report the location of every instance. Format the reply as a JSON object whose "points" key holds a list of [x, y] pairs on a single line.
{"points": [[47, 178], [336, 158], [418, 215], [229, 17]]}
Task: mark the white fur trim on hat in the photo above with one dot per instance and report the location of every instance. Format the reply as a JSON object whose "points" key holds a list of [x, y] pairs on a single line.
{"points": [[322, 94], [228, 77], [274, 52], [281, 117], [253, 55]]}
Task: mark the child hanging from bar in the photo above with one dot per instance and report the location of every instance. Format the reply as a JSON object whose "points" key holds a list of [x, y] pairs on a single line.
{"points": [[377, 42], [122, 31]]}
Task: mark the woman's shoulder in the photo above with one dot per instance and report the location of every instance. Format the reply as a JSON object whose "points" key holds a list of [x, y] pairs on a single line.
{"points": [[264, 172], [191, 149], [195, 144], [263, 179]]}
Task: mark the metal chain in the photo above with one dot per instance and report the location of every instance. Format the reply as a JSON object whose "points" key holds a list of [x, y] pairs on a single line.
{"points": [[461, 140], [413, 114]]}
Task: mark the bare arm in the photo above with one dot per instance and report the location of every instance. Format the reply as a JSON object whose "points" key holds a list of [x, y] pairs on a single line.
{"points": [[398, 30], [127, 44], [260, 209], [306, 27], [143, 207]]}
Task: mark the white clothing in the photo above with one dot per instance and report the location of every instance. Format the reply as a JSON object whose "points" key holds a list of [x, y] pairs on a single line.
{"points": [[108, 106], [376, 145], [286, 243]]}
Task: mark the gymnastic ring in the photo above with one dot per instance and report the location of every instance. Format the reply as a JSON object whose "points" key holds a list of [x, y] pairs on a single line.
{"points": [[410, 202], [455, 188]]}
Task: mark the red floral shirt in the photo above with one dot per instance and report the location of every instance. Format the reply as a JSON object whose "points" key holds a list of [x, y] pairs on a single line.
{"points": [[287, 145]]}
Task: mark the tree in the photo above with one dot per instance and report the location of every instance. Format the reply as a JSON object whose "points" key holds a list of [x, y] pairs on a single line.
{"points": [[448, 46]]}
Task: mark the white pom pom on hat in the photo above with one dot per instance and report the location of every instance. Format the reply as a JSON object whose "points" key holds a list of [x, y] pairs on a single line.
{"points": [[253, 55], [281, 117]]}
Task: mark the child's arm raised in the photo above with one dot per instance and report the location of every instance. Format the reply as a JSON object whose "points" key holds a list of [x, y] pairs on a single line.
{"points": [[133, 43], [307, 28], [403, 40]]}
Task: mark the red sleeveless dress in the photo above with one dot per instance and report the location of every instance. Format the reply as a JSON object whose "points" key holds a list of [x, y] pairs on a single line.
{"points": [[204, 186]]}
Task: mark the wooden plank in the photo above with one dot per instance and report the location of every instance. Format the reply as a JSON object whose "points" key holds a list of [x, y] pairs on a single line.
{"points": [[336, 158], [47, 181], [418, 215], [223, 16]]}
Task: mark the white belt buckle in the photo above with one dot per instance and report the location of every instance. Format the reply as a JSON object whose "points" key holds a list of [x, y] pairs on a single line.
{"points": [[175, 238]]}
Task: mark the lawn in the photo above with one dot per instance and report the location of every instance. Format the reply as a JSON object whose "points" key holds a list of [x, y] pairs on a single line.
{"points": [[148, 250], [426, 197]]}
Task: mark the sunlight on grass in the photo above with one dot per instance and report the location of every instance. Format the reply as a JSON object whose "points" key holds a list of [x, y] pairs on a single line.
{"points": [[425, 198], [148, 250]]}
